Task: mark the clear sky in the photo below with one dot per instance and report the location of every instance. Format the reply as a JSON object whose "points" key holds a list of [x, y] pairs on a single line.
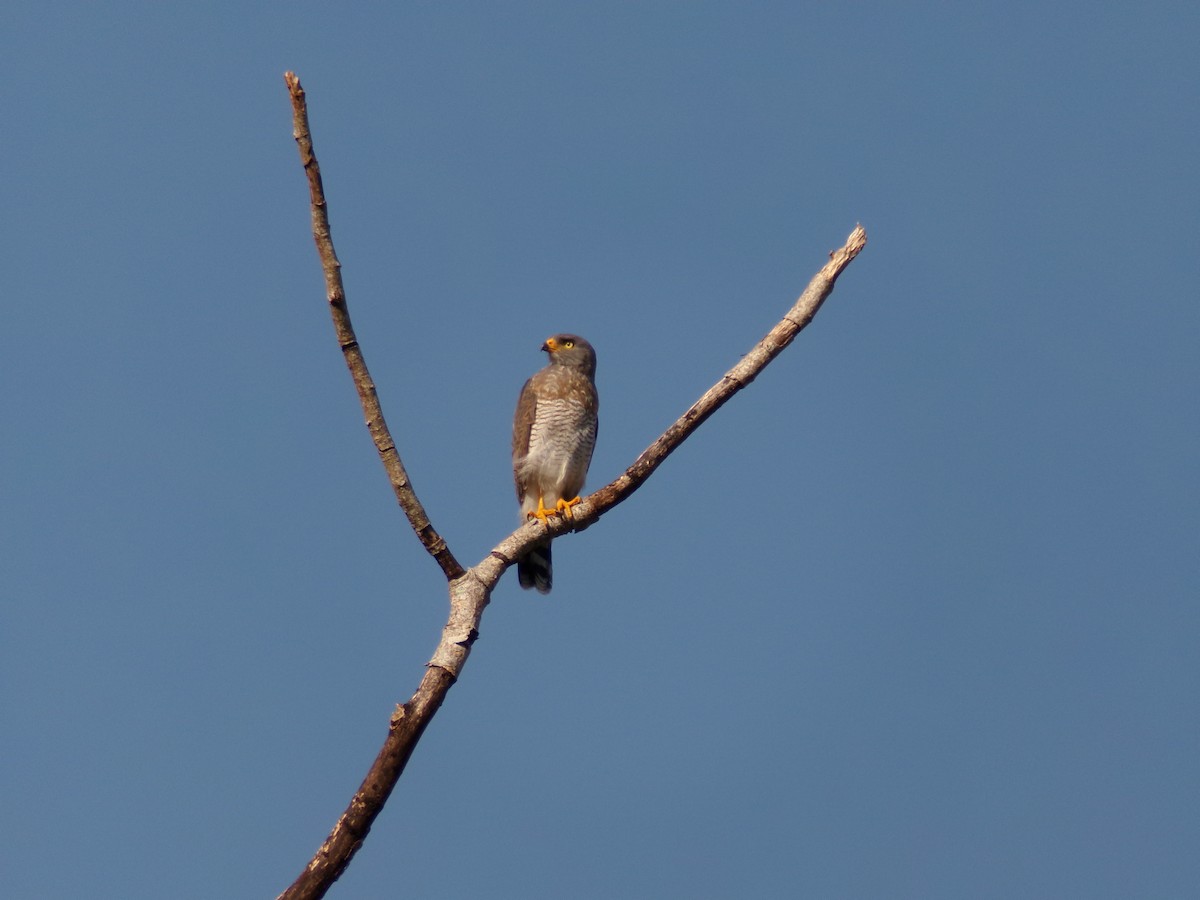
{"points": [[914, 616]]}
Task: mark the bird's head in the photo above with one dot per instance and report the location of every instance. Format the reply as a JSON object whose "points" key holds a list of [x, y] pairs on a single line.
{"points": [[572, 351]]}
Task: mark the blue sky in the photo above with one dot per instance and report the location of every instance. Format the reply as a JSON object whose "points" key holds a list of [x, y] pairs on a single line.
{"points": [[914, 616]]}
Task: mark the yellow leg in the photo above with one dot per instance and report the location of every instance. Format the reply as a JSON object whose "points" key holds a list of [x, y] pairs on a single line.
{"points": [[562, 507], [541, 513]]}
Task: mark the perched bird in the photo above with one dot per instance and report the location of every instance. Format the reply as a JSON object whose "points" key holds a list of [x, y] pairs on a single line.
{"points": [[554, 433]]}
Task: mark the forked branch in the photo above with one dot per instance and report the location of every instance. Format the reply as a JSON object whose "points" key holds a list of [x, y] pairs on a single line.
{"points": [[470, 590]]}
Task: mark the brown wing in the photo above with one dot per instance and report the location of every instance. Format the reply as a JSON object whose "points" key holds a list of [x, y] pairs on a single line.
{"points": [[522, 426]]}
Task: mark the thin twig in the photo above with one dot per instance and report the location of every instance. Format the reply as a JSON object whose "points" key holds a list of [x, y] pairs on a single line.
{"points": [[376, 424], [471, 591]]}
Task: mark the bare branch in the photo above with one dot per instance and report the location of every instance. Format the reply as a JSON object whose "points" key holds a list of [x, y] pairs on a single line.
{"points": [[795, 320], [470, 591], [336, 294]]}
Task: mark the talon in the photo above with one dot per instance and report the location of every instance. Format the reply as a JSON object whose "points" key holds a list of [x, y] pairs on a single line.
{"points": [[563, 507]]}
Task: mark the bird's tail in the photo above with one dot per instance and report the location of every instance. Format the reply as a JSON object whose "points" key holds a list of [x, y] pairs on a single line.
{"points": [[534, 569]]}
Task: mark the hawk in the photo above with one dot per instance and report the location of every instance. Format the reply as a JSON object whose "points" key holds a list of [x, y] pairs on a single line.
{"points": [[554, 433]]}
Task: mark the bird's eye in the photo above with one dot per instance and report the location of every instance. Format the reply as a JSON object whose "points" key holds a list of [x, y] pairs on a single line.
{"points": [[568, 344]]}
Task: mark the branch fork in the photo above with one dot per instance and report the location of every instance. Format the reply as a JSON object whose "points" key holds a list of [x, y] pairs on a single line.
{"points": [[470, 590]]}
